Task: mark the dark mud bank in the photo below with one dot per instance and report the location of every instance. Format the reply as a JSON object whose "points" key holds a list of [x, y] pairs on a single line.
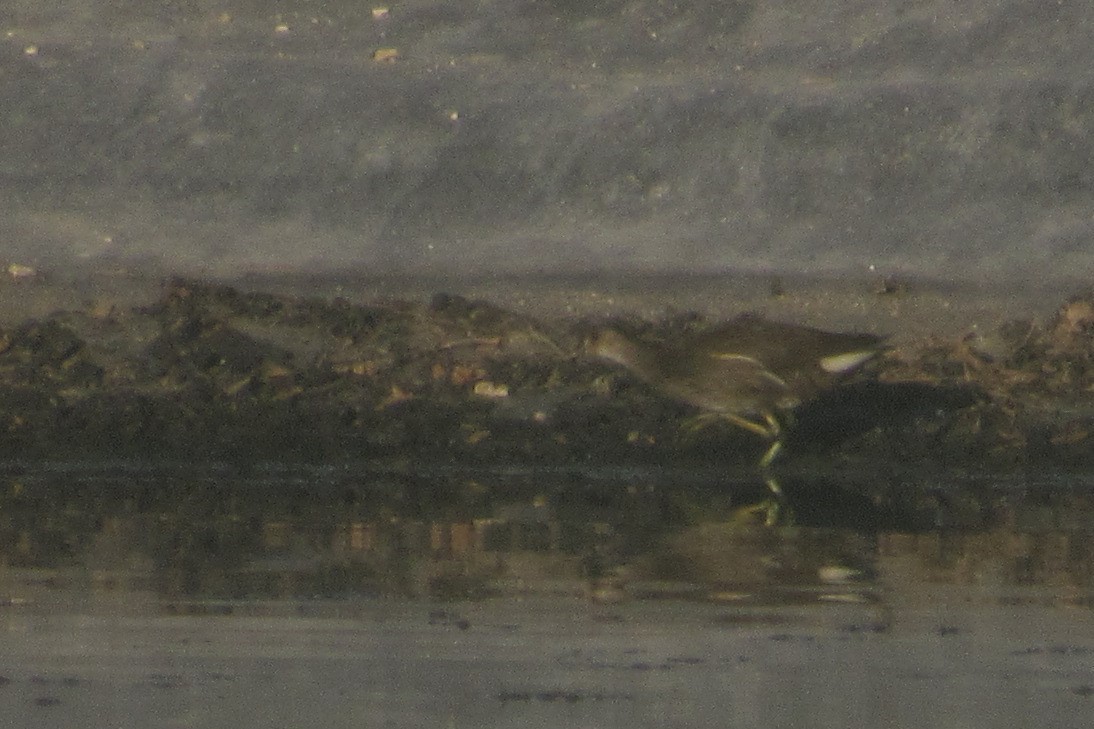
{"points": [[213, 373]]}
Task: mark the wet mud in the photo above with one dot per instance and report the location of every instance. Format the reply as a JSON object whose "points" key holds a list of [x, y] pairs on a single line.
{"points": [[216, 373]]}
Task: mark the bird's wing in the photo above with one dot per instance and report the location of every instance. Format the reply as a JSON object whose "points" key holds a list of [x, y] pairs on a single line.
{"points": [[743, 384], [798, 354], [749, 368]]}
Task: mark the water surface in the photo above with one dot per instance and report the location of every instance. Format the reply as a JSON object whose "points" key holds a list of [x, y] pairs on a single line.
{"points": [[183, 596]]}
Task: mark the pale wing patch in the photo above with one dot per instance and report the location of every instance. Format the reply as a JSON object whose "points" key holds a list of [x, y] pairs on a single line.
{"points": [[846, 361]]}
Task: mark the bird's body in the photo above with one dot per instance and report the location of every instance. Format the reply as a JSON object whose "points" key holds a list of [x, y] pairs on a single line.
{"points": [[750, 371]]}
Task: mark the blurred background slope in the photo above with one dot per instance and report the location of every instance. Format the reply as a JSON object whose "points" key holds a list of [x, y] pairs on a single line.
{"points": [[948, 140]]}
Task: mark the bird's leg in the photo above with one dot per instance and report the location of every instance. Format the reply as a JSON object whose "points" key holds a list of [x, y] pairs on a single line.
{"points": [[771, 454], [769, 512], [766, 431], [773, 485], [777, 510], [775, 433], [774, 509], [703, 419], [772, 430]]}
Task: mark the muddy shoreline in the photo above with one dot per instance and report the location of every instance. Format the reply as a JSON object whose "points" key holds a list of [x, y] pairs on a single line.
{"points": [[205, 371]]}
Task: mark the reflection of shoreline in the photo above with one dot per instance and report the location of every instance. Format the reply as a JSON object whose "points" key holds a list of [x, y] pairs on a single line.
{"points": [[203, 543]]}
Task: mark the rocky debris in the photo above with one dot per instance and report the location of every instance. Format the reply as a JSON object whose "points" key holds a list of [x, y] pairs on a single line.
{"points": [[1032, 402]]}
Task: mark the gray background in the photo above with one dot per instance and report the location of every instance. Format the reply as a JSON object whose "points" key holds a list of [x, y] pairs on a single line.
{"points": [[944, 139]]}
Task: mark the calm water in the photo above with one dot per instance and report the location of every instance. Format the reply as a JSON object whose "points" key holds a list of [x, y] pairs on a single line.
{"points": [[213, 597]]}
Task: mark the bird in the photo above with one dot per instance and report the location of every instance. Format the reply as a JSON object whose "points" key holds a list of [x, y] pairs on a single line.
{"points": [[750, 371]]}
